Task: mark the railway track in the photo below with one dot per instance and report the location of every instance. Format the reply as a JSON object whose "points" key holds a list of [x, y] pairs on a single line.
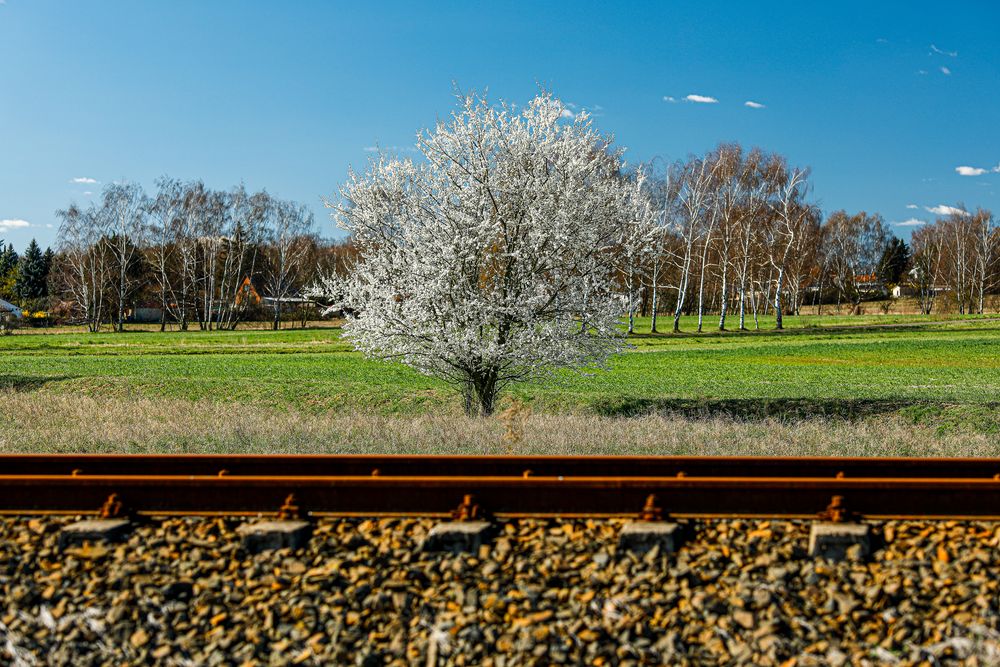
{"points": [[433, 486], [586, 590]]}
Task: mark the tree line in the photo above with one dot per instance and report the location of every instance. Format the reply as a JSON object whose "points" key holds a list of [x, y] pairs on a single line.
{"points": [[958, 255], [737, 235], [201, 256]]}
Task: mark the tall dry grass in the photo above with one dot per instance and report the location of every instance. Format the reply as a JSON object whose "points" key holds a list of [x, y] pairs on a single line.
{"points": [[42, 422]]}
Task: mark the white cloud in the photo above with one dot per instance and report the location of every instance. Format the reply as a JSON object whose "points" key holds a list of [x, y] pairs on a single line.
{"points": [[882, 40], [921, 71], [912, 222], [701, 99], [566, 113], [970, 171], [753, 105], [82, 179], [946, 71], [668, 98], [9, 224], [996, 169], [943, 209], [953, 54], [912, 206]]}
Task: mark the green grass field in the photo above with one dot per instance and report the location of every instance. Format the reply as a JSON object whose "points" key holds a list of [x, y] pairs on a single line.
{"points": [[943, 374]]}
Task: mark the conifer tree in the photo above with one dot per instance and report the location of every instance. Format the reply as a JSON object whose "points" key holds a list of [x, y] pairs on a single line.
{"points": [[895, 261], [8, 271], [32, 274], [8, 260], [49, 258]]}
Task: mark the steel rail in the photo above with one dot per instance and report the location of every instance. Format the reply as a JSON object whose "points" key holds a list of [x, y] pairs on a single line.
{"points": [[505, 496], [474, 466]]}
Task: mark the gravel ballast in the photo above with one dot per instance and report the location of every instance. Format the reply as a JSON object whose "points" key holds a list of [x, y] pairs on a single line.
{"points": [[184, 592]]}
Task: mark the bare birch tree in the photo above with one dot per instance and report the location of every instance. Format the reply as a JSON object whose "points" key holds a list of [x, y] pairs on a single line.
{"points": [[693, 190], [663, 198], [928, 254], [85, 270], [959, 248], [789, 212], [246, 219], [986, 237], [122, 218], [164, 210], [731, 204], [753, 221], [288, 245], [855, 244]]}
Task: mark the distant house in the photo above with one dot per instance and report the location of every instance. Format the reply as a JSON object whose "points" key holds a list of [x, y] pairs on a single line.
{"points": [[270, 301], [869, 285], [913, 288], [902, 290], [247, 293], [6, 307], [146, 314]]}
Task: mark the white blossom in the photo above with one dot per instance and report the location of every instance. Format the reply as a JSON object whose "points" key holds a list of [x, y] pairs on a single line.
{"points": [[491, 259]]}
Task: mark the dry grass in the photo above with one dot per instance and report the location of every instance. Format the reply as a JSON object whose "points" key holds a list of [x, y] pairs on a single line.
{"points": [[40, 422]]}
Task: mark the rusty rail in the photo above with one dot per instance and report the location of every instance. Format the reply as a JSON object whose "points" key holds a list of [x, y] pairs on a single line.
{"points": [[501, 486]]}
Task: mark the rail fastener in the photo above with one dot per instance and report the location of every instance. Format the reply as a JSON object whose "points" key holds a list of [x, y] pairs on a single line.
{"points": [[111, 525], [288, 530], [838, 531], [650, 531]]}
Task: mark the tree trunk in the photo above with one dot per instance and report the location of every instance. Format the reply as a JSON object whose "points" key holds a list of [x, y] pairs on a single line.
{"points": [[681, 291], [743, 308], [631, 300], [487, 400], [724, 306], [652, 328], [653, 299], [701, 298], [777, 300], [767, 292], [819, 306], [480, 395], [756, 315], [469, 399]]}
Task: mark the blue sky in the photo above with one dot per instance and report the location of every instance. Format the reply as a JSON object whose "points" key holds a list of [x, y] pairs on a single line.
{"points": [[884, 103]]}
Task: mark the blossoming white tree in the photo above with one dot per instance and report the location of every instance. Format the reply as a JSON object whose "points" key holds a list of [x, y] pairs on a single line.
{"points": [[491, 260]]}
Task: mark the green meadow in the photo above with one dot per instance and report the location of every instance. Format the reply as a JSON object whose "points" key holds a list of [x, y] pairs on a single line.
{"points": [[940, 374]]}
